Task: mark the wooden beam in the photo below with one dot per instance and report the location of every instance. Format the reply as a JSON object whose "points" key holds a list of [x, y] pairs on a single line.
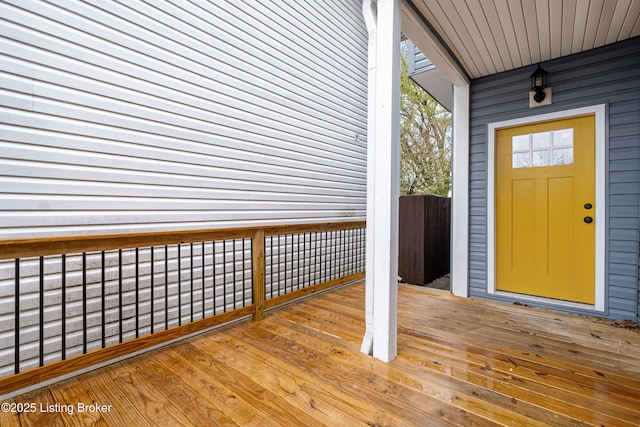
{"points": [[305, 292], [31, 247], [258, 265]]}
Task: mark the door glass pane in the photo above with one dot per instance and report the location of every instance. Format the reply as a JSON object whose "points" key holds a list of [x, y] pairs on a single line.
{"points": [[563, 138], [520, 143], [541, 140], [521, 160], [542, 158], [563, 156]]}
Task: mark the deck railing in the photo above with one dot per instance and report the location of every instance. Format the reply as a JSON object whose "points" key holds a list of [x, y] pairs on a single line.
{"points": [[74, 302]]}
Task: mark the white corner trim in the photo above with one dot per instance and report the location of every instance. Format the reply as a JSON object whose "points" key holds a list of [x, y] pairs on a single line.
{"points": [[600, 200], [460, 193]]}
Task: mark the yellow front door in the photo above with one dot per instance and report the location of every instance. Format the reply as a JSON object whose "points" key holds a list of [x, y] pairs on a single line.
{"points": [[545, 209]]}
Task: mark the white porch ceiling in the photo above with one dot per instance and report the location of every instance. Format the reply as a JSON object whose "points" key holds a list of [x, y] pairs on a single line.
{"points": [[491, 36]]}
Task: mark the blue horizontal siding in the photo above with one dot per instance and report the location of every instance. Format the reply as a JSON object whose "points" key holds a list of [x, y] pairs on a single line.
{"points": [[418, 63], [609, 75]]}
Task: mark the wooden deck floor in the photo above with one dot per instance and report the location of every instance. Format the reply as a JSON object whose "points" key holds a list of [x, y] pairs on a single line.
{"points": [[460, 362]]}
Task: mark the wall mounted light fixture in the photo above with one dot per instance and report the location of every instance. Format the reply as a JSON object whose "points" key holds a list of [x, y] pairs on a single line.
{"points": [[538, 84]]}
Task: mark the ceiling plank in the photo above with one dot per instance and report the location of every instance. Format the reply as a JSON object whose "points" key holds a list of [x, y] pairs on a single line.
{"points": [[532, 30], [579, 26], [491, 14], [606, 17], [622, 8], [520, 27], [480, 17], [568, 19], [467, 48], [593, 19], [502, 9], [630, 20], [555, 28], [542, 15], [636, 28], [479, 37]]}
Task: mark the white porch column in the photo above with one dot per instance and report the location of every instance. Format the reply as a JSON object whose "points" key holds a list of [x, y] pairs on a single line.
{"points": [[460, 192], [384, 186]]}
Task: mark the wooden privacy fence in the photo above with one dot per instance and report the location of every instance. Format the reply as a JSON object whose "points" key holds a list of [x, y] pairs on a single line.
{"points": [[73, 302], [424, 238]]}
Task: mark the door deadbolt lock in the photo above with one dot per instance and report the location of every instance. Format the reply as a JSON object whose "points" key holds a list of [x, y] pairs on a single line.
{"points": [[588, 205], [588, 219]]}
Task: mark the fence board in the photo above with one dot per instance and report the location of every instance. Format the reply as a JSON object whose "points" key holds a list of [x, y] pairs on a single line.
{"points": [[424, 238]]}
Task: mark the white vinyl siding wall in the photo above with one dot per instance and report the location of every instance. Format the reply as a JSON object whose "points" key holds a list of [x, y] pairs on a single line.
{"points": [[180, 115], [139, 116]]}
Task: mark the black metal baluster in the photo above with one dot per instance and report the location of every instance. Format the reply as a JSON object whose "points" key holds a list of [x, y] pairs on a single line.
{"points": [[191, 279], [202, 279], [16, 363], [234, 274], [120, 292], [166, 287], [271, 254], [244, 269], [304, 263], [298, 275], [285, 264], [352, 252], [137, 299], [64, 306], [224, 276], [41, 343], [179, 285], [102, 283], [84, 302], [152, 288], [327, 258], [214, 278], [316, 260]]}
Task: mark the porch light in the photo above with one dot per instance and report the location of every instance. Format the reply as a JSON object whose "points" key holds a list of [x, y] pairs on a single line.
{"points": [[538, 84]]}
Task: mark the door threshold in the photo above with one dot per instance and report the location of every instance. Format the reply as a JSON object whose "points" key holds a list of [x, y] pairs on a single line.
{"points": [[548, 301]]}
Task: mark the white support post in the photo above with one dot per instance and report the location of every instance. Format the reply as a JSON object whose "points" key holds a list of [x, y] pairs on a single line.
{"points": [[460, 193], [386, 181], [369, 13]]}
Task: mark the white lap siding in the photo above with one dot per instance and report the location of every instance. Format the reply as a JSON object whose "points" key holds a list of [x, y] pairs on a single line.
{"points": [[137, 116], [160, 116]]}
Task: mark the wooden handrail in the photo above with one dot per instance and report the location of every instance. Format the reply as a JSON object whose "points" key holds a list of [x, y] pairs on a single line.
{"points": [[32, 247]]}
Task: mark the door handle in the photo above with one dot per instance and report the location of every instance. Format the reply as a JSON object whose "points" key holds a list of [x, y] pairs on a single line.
{"points": [[588, 219]]}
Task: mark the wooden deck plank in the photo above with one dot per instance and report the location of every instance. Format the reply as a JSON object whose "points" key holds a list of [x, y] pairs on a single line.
{"points": [[562, 407], [72, 392], [394, 398], [520, 348], [436, 386], [460, 362], [194, 405], [8, 415], [328, 405], [221, 396]]}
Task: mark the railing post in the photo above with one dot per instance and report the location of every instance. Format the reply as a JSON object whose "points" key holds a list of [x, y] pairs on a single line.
{"points": [[258, 266]]}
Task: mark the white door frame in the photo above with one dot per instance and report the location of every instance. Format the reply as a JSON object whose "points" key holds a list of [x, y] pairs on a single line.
{"points": [[600, 200]]}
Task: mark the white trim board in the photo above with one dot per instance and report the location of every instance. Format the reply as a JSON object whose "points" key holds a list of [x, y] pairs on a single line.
{"points": [[600, 188]]}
